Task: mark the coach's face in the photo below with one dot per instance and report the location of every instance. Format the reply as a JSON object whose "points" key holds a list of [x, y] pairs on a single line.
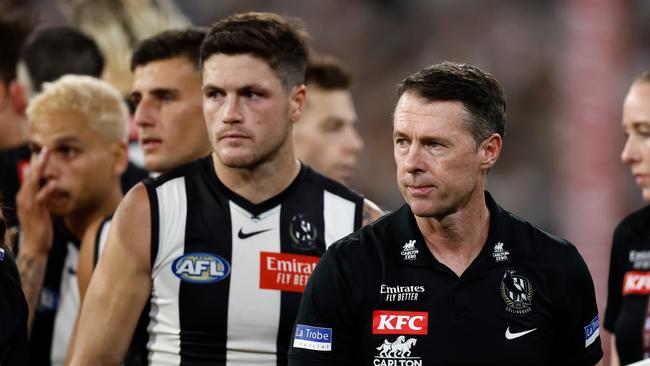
{"points": [[439, 165], [636, 124], [248, 112]]}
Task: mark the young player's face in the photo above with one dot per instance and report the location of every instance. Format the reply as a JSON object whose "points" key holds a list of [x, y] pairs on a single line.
{"points": [[168, 115], [438, 164], [248, 112], [83, 166], [636, 124], [326, 137]]}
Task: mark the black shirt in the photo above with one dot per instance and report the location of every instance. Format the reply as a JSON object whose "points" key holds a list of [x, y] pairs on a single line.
{"points": [[629, 285], [13, 314], [379, 297]]}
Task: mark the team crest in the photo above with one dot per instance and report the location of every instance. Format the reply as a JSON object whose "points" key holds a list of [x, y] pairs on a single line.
{"points": [[516, 292], [303, 232]]}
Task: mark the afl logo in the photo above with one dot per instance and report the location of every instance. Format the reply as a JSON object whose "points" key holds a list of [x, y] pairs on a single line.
{"points": [[201, 268], [516, 292]]}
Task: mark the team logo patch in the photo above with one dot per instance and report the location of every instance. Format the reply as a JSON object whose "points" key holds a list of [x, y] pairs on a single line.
{"points": [[397, 353], [286, 272], [516, 292], [636, 283], [640, 259], [401, 293], [313, 338], [592, 331], [499, 254], [409, 252], [201, 268], [303, 232], [400, 322]]}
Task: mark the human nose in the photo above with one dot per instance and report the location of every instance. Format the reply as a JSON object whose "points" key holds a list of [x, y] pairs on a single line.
{"points": [[231, 110], [145, 114], [413, 159], [630, 152]]}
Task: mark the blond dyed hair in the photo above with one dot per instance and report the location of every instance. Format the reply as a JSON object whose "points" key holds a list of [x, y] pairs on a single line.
{"points": [[100, 103]]}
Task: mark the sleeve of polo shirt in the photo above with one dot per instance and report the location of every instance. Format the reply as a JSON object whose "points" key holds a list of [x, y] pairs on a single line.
{"points": [[322, 333], [578, 336], [615, 280]]}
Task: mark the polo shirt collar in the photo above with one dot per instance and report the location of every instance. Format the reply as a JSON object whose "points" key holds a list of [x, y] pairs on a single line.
{"points": [[500, 248]]}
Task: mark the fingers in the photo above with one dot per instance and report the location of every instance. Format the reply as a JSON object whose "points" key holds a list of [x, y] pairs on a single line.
{"points": [[44, 192], [34, 174]]}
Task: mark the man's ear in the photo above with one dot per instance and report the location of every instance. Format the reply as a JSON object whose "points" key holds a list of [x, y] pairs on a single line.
{"points": [[121, 155], [297, 102], [490, 149], [17, 97]]}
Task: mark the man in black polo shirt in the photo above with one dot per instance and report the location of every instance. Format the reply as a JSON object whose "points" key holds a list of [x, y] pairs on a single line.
{"points": [[450, 278]]}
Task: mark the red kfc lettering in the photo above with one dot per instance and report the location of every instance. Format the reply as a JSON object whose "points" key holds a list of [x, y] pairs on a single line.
{"points": [[399, 322]]}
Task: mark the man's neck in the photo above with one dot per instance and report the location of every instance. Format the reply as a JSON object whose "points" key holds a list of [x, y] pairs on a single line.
{"points": [[79, 221], [457, 239], [259, 183]]}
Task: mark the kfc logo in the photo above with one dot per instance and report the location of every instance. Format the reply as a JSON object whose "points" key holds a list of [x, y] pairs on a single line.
{"points": [[400, 322], [636, 283]]}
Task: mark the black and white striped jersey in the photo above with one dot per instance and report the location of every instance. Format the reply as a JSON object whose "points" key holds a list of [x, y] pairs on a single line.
{"points": [[228, 274]]}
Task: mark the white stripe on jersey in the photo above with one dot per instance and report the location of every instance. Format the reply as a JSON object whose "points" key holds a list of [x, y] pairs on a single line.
{"points": [[68, 307], [253, 313], [103, 235], [339, 217], [164, 326]]}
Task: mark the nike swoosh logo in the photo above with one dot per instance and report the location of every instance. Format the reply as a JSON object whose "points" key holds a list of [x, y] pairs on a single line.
{"points": [[243, 235], [517, 334]]}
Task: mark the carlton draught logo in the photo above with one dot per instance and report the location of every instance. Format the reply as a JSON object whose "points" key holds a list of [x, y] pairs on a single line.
{"points": [[286, 272], [201, 268], [400, 322], [636, 283]]}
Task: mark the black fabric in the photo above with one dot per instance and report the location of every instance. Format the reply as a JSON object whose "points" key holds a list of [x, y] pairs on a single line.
{"points": [[626, 310], [40, 342], [384, 274], [132, 176], [13, 314]]}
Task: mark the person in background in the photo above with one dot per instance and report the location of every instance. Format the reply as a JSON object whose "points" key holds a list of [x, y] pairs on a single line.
{"points": [[627, 315], [77, 139], [326, 138]]}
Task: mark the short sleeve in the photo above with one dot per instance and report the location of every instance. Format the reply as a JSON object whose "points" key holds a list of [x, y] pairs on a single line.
{"points": [[615, 278], [323, 333], [578, 335]]}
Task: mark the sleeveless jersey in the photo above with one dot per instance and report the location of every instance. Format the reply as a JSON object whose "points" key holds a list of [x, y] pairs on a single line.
{"points": [[228, 274]]}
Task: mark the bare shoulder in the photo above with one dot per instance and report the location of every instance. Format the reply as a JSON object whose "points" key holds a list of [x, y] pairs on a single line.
{"points": [[131, 226], [371, 212]]}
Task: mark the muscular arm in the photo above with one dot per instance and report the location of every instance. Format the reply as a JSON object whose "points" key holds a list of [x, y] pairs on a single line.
{"points": [[119, 287], [31, 267], [371, 212]]}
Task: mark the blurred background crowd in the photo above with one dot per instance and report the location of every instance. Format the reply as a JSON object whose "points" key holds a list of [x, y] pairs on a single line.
{"points": [[565, 67]]}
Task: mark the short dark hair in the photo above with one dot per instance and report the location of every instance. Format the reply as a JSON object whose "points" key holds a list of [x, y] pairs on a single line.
{"points": [[479, 92], [52, 52], [14, 29], [168, 44], [280, 42], [328, 73]]}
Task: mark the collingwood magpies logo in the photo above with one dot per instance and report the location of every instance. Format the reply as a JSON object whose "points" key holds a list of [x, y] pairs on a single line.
{"points": [[303, 232], [516, 292]]}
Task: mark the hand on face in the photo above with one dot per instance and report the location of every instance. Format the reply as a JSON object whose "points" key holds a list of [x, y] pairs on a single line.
{"points": [[31, 202]]}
